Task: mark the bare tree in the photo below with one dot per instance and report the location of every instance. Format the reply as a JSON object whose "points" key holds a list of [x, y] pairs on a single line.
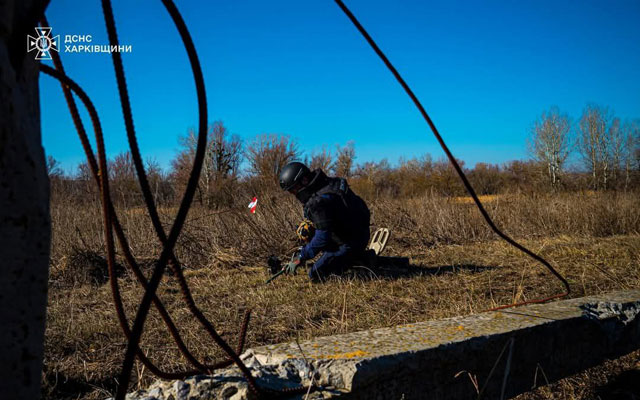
{"points": [[414, 174], [593, 143], [487, 178], [157, 181], [60, 187], [322, 159], [615, 150], [631, 149], [83, 172], [345, 157], [550, 142], [268, 153], [225, 152], [121, 168], [53, 168], [84, 187], [181, 165], [444, 178], [223, 156], [124, 184], [379, 179]]}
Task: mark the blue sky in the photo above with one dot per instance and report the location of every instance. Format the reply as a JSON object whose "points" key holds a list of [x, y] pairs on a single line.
{"points": [[484, 70]]}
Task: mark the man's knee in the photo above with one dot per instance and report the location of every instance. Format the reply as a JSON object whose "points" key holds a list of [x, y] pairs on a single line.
{"points": [[330, 263]]}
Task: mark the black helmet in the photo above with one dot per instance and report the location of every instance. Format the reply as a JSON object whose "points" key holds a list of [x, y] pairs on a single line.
{"points": [[291, 174]]}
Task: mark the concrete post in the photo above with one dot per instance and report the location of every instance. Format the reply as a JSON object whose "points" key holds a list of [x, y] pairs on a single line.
{"points": [[25, 228]]}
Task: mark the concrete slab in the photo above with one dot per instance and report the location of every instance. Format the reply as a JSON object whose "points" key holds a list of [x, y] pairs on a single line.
{"points": [[501, 353]]}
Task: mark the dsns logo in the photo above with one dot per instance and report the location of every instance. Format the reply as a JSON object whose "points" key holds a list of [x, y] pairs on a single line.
{"points": [[43, 44]]}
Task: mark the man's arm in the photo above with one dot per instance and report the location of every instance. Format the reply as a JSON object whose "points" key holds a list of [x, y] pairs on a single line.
{"points": [[319, 242], [323, 217]]}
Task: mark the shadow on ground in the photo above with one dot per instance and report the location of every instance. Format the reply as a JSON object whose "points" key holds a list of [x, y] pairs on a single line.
{"points": [[62, 387], [625, 386], [399, 267]]}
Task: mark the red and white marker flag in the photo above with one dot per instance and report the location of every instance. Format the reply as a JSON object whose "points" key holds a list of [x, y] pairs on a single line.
{"points": [[253, 205]]}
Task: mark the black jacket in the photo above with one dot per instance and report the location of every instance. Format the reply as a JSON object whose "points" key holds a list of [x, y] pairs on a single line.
{"points": [[333, 207]]}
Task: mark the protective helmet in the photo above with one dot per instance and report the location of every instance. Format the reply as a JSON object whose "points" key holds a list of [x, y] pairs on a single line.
{"points": [[291, 174]]}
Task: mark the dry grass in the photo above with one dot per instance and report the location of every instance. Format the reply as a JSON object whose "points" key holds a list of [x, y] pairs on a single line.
{"points": [[484, 198], [460, 269]]}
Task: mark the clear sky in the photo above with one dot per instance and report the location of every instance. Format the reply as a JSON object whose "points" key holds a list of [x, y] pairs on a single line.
{"points": [[484, 70]]}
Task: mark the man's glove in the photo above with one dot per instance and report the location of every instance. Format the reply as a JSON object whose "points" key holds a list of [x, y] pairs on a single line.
{"points": [[296, 261], [291, 267]]}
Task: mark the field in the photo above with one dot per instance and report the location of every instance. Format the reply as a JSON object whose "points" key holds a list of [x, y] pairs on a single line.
{"points": [[458, 267]]}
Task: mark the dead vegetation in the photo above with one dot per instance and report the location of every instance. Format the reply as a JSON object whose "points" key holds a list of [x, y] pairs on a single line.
{"points": [[459, 268]]}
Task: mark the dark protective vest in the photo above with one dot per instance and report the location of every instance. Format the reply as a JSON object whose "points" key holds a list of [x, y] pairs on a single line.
{"points": [[334, 207]]}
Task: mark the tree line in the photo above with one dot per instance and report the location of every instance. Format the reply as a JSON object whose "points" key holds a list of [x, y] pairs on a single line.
{"points": [[608, 151], [608, 147]]}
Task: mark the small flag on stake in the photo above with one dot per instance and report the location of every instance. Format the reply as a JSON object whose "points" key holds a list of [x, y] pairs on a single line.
{"points": [[253, 204]]}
